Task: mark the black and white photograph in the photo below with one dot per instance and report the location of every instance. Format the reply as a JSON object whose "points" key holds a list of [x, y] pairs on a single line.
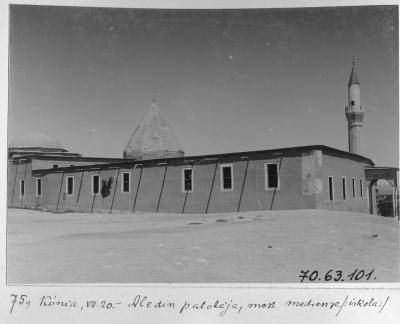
{"points": [[180, 146]]}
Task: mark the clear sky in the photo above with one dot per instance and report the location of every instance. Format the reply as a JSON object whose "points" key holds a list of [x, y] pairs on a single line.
{"points": [[226, 80]]}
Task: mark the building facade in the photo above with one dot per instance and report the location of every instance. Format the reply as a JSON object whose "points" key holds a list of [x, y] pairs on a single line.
{"points": [[308, 177], [154, 174]]}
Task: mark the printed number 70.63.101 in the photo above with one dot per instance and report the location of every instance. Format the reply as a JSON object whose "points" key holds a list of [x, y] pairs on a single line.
{"points": [[336, 275]]}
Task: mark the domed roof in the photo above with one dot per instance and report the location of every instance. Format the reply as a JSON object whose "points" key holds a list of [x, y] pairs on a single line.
{"points": [[36, 140], [153, 138]]}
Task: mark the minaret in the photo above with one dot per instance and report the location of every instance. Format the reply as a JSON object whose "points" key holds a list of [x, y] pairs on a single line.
{"points": [[354, 113]]}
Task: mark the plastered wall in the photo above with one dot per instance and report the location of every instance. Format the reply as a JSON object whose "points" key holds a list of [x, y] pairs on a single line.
{"points": [[303, 184], [339, 168]]}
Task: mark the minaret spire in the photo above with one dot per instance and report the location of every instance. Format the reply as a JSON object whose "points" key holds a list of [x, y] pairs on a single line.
{"points": [[353, 76], [354, 112]]}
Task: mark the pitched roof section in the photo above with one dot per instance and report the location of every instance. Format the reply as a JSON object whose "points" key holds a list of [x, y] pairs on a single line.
{"points": [[153, 138], [353, 77]]}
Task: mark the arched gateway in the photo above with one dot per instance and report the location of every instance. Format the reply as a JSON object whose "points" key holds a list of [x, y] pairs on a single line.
{"points": [[390, 174]]}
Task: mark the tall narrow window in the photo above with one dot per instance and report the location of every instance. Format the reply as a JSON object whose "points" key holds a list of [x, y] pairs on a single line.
{"points": [[38, 186], [344, 188], [126, 182], [331, 193], [187, 180], [70, 185], [361, 187], [226, 177], [271, 176], [95, 184], [22, 187], [353, 186]]}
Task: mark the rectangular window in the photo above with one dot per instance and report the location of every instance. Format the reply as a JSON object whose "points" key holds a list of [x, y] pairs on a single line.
{"points": [[95, 184], [55, 166], [126, 182], [71, 165], [70, 185], [187, 180], [344, 188], [271, 176], [226, 177], [331, 193], [38, 186], [353, 187], [22, 187], [361, 187]]}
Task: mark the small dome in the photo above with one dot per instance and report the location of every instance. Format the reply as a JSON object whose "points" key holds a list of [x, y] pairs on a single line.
{"points": [[36, 140]]}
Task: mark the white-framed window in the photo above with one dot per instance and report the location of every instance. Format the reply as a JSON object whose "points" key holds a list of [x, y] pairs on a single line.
{"points": [[344, 185], [22, 187], [69, 185], [361, 187], [271, 172], [55, 166], [226, 177], [331, 188], [187, 179], [38, 187], [353, 187], [126, 182], [95, 184]]}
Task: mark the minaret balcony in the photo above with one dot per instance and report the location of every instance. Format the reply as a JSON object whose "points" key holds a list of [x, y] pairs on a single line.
{"points": [[350, 109], [355, 117]]}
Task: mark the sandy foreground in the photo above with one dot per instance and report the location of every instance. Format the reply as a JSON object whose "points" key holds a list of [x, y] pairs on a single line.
{"points": [[248, 247]]}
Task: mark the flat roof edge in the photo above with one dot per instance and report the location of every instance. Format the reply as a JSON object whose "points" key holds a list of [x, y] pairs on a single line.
{"points": [[121, 163]]}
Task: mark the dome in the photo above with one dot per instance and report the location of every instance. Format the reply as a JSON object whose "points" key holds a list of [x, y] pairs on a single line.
{"points": [[153, 138], [36, 140]]}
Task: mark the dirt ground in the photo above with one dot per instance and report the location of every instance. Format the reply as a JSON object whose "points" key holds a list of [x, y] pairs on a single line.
{"points": [[251, 247]]}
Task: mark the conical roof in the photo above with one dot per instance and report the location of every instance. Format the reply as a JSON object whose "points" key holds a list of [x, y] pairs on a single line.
{"points": [[153, 138], [353, 77]]}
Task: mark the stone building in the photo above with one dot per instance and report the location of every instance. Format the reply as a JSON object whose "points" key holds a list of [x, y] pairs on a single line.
{"points": [[154, 175]]}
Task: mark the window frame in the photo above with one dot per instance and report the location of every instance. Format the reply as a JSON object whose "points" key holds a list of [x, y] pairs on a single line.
{"points": [[73, 186], [344, 188], [266, 176], [331, 188], [183, 179], [22, 187], [221, 177], [361, 183], [37, 187], [55, 166], [92, 184], [353, 187], [123, 183]]}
